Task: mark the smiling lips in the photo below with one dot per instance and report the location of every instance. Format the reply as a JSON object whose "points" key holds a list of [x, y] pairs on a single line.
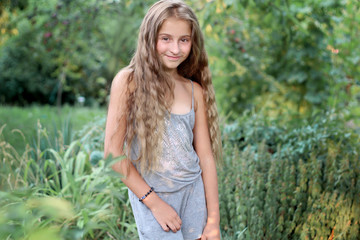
{"points": [[173, 57]]}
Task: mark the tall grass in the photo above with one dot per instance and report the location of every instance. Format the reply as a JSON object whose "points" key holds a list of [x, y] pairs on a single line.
{"points": [[21, 123], [53, 190]]}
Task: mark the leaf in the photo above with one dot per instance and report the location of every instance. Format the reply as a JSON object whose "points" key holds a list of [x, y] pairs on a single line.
{"points": [[45, 234], [80, 164], [54, 207]]}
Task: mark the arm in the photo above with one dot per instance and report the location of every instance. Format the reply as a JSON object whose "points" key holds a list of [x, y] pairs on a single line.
{"points": [[202, 146], [114, 141]]}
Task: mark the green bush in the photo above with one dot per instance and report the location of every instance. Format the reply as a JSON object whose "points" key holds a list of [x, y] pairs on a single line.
{"points": [[26, 70], [297, 183], [59, 51], [295, 54]]}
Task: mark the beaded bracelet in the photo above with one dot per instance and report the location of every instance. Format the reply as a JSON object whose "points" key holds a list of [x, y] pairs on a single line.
{"points": [[143, 197]]}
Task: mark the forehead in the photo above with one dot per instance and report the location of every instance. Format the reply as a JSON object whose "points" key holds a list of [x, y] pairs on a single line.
{"points": [[175, 27]]}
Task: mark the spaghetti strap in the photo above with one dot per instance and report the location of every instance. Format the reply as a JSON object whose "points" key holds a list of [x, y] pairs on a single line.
{"points": [[192, 94]]}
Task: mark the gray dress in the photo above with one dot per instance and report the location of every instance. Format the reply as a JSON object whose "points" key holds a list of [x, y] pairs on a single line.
{"points": [[177, 181]]}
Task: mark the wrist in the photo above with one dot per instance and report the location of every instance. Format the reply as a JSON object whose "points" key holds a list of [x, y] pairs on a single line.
{"points": [[151, 200], [213, 220], [146, 194]]}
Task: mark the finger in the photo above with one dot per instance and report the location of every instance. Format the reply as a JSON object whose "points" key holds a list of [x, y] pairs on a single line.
{"points": [[172, 227], [203, 237], [165, 227], [177, 225], [178, 219]]}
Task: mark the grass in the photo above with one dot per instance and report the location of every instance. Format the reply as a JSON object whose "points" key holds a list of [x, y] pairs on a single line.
{"points": [[56, 191], [52, 188], [21, 123]]}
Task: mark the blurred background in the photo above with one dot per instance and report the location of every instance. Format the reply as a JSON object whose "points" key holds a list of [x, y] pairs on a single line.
{"points": [[287, 81]]}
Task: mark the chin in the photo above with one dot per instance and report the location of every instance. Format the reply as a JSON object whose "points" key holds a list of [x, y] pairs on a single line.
{"points": [[171, 66]]}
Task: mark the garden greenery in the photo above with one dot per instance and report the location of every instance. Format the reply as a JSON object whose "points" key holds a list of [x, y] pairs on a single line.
{"points": [[56, 191], [276, 183], [286, 74], [290, 182], [298, 55]]}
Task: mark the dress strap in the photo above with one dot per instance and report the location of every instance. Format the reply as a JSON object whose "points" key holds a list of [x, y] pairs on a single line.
{"points": [[192, 94]]}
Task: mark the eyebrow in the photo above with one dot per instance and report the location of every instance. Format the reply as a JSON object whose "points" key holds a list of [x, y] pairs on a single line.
{"points": [[167, 34]]}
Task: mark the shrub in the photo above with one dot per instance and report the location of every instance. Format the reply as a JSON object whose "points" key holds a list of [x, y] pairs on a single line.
{"points": [[297, 183], [59, 51]]}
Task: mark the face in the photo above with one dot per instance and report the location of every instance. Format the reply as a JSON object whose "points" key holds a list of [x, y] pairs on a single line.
{"points": [[174, 42]]}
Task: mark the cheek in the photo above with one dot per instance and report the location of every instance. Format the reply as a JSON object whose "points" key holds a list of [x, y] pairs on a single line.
{"points": [[186, 49], [160, 47]]}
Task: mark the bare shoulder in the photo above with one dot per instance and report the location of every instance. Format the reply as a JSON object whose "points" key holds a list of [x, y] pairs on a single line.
{"points": [[198, 95], [198, 91], [120, 81]]}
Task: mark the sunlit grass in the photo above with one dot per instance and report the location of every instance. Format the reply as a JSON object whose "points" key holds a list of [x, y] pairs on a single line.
{"points": [[25, 120]]}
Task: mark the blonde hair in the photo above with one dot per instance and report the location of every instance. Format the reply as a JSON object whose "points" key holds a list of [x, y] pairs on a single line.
{"points": [[148, 103]]}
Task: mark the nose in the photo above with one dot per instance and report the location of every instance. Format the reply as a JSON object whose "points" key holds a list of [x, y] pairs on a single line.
{"points": [[175, 48]]}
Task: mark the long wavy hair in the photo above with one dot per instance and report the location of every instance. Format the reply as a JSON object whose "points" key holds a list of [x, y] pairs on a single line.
{"points": [[149, 101]]}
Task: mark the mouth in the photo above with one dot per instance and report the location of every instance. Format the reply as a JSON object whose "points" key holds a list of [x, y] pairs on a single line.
{"points": [[173, 57]]}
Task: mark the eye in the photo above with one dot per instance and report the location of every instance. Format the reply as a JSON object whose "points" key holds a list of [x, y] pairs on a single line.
{"points": [[184, 40], [165, 39]]}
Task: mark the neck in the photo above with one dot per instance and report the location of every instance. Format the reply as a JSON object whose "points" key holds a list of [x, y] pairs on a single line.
{"points": [[172, 73]]}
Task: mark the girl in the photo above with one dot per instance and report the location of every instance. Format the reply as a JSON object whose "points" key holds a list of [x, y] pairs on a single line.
{"points": [[162, 109]]}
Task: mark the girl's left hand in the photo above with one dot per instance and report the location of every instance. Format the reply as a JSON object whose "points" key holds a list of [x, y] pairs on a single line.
{"points": [[211, 232]]}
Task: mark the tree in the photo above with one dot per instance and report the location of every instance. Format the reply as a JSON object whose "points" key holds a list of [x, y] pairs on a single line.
{"points": [[265, 53], [82, 44]]}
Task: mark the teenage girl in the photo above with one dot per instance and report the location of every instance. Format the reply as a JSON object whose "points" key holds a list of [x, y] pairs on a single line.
{"points": [[162, 116]]}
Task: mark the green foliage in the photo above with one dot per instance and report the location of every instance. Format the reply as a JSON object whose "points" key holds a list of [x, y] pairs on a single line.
{"points": [[290, 183], [22, 123], [297, 138], [296, 55], [57, 51], [345, 89], [285, 54], [25, 70], [298, 180], [60, 194]]}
